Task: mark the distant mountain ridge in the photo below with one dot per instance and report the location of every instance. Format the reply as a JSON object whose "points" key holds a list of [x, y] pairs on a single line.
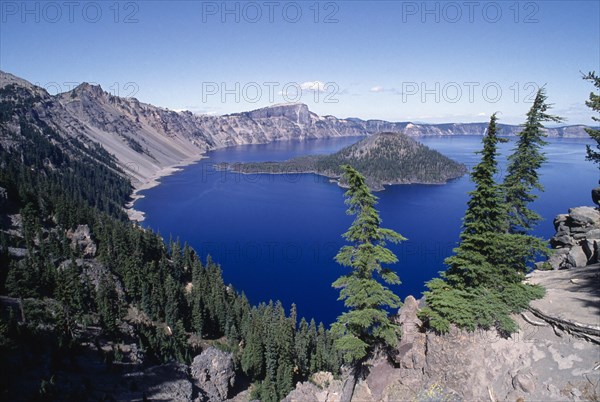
{"points": [[146, 139]]}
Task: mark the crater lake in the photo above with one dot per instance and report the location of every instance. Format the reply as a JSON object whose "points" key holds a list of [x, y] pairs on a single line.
{"points": [[275, 236]]}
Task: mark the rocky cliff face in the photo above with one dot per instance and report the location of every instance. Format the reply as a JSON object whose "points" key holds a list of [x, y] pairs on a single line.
{"points": [[208, 379], [213, 372], [577, 239], [146, 139], [541, 362], [298, 113]]}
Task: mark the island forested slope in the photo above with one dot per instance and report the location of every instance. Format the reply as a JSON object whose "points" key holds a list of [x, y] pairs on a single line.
{"points": [[384, 158]]}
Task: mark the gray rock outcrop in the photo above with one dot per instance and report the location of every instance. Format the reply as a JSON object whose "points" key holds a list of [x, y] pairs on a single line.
{"points": [[81, 240], [577, 239], [411, 344], [93, 273], [322, 387], [167, 382], [213, 372], [296, 112]]}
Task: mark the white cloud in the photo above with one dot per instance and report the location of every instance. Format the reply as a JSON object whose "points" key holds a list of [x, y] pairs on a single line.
{"points": [[315, 86], [377, 88], [294, 91]]}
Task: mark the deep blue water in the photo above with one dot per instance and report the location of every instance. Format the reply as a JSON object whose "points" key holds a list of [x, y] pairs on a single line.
{"points": [[275, 236]]}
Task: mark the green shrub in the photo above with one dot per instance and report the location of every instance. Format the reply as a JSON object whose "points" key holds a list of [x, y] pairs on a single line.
{"points": [[477, 307]]}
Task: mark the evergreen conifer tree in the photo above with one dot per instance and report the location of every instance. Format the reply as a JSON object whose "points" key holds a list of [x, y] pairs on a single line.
{"points": [[366, 324], [522, 172], [485, 217], [482, 285], [594, 104]]}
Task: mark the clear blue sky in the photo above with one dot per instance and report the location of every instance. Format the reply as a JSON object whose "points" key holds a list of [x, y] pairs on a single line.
{"points": [[394, 60]]}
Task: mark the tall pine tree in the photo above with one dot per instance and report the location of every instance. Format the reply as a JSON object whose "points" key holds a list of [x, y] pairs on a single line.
{"points": [[522, 177], [594, 104], [486, 211], [483, 283], [366, 324], [484, 219]]}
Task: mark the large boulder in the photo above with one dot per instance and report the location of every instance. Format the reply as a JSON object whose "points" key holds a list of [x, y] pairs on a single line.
{"points": [[584, 216], [560, 220], [576, 257], [562, 240], [411, 348], [558, 258], [589, 248], [580, 230], [593, 234], [563, 229], [213, 372]]}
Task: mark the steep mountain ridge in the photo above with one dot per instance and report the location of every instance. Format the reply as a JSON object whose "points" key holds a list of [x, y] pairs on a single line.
{"points": [[146, 139]]}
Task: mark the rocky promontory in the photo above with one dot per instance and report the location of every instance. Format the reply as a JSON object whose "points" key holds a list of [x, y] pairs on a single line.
{"points": [[577, 239], [541, 362]]}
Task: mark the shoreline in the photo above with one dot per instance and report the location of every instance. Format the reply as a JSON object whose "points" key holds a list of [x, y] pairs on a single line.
{"points": [[336, 179], [153, 181]]}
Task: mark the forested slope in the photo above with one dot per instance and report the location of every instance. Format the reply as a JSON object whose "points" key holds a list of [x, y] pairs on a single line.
{"points": [[76, 272]]}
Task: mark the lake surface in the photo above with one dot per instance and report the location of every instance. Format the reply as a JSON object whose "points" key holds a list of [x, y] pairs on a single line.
{"points": [[275, 236]]}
